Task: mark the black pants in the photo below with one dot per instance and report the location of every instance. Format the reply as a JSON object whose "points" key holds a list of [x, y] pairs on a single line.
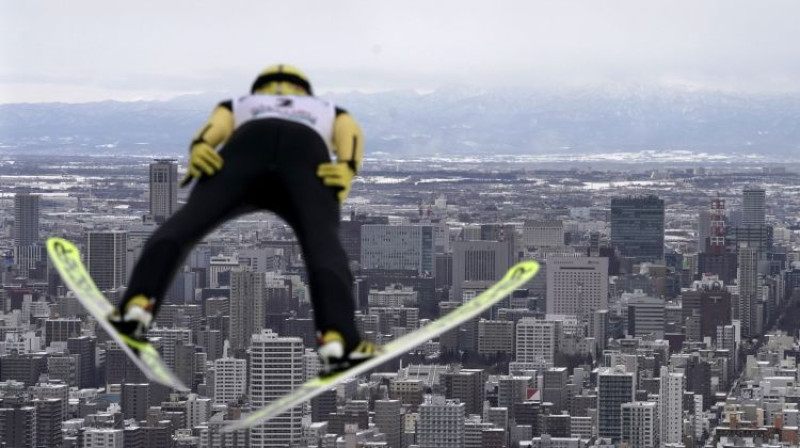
{"points": [[270, 165]]}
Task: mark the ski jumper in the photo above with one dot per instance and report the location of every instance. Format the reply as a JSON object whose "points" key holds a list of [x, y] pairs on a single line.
{"points": [[275, 144]]}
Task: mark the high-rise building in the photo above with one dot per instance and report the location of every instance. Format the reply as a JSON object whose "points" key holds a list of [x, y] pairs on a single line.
{"points": [[615, 387], [639, 424], [703, 229], [230, 380], [670, 402], [537, 340], [645, 316], [49, 415], [754, 206], [135, 400], [170, 338], [18, 426], [467, 386], [549, 233], [748, 291], [26, 219], [388, 419], [163, 189], [85, 347], [478, 263], [398, 248], [106, 258], [246, 307], [276, 369], [637, 227], [350, 233], [441, 423], [554, 389], [577, 286]]}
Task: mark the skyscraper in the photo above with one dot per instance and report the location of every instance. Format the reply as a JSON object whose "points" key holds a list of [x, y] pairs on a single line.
{"points": [[615, 387], [388, 419], [637, 227], [548, 233], [18, 426], [639, 424], [246, 307], [670, 401], [441, 423], [577, 285], [26, 219], [276, 368], [106, 256], [163, 189], [748, 291], [754, 206]]}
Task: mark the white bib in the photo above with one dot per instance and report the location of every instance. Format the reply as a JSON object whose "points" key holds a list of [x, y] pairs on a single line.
{"points": [[313, 112]]}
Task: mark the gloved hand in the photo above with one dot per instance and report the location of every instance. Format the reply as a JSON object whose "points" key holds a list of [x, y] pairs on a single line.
{"points": [[202, 160], [337, 176]]}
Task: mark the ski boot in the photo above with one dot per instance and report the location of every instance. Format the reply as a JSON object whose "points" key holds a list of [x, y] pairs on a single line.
{"points": [[132, 326], [334, 360]]}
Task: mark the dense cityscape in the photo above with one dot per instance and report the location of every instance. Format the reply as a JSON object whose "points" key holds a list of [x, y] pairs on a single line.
{"points": [[666, 313]]}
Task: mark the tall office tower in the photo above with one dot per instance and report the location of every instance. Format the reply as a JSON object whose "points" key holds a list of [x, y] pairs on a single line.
{"points": [[230, 380], [554, 390], [163, 189], [85, 347], [703, 229], [26, 219], [748, 291], [59, 330], [549, 233], [170, 338], [670, 402], [645, 317], [754, 206], [106, 258], [537, 340], [104, 438], [389, 420], [246, 307], [18, 426], [350, 233], [598, 328], [577, 286], [135, 400], [637, 227], [441, 423], [49, 415], [467, 386], [477, 264], [615, 387], [398, 248], [276, 368], [639, 424]]}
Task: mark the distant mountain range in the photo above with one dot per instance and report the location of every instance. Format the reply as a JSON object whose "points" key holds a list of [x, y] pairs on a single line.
{"points": [[446, 122]]}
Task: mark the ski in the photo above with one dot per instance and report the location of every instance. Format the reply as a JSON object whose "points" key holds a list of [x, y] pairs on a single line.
{"points": [[67, 260]]}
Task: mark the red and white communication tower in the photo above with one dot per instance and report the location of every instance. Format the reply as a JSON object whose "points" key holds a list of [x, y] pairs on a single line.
{"points": [[717, 240]]}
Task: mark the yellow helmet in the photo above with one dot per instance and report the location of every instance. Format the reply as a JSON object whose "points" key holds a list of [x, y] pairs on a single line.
{"points": [[282, 79]]}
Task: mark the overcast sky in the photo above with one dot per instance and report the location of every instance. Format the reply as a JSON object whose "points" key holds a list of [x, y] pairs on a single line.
{"points": [[86, 50]]}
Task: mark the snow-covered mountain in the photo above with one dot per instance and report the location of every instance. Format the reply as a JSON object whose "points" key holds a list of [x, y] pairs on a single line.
{"points": [[446, 122]]}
